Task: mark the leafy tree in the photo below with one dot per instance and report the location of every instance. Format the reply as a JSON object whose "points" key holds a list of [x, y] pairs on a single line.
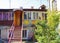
{"points": [[45, 31]]}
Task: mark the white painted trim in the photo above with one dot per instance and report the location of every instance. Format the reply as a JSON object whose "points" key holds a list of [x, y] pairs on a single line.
{"points": [[31, 15]]}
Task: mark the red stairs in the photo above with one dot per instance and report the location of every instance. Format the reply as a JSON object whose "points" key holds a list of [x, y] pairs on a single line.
{"points": [[16, 34]]}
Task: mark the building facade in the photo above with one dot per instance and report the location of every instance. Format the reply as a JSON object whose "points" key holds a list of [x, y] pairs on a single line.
{"points": [[6, 18], [29, 18]]}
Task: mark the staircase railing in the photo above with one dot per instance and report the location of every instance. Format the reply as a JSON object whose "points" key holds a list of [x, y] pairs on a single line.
{"points": [[11, 31]]}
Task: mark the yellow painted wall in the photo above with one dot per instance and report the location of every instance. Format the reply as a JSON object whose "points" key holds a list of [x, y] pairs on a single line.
{"points": [[26, 22]]}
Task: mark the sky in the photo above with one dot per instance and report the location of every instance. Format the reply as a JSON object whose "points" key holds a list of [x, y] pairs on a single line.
{"points": [[24, 3]]}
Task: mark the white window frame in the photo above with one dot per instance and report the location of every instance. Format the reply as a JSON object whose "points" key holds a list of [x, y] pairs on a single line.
{"points": [[29, 15], [3, 15], [10, 18], [32, 15], [26, 34], [43, 15], [35, 15]]}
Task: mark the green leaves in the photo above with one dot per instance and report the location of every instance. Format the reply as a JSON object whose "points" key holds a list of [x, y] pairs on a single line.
{"points": [[46, 30]]}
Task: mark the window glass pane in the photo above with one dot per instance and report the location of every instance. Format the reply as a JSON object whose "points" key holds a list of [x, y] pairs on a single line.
{"points": [[43, 14], [0, 16], [36, 16], [24, 35], [33, 15], [29, 15], [25, 15], [10, 16], [5, 16]]}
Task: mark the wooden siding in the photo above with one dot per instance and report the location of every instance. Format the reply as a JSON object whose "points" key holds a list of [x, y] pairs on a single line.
{"points": [[6, 23]]}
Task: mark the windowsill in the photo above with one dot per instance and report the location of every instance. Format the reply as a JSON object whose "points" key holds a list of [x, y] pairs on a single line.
{"points": [[24, 38]]}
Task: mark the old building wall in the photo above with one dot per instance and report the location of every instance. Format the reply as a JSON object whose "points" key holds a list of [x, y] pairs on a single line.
{"points": [[4, 32]]}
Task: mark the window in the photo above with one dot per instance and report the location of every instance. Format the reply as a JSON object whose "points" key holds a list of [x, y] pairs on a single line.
{"points": [[29, 15], [35, 15], [5, 16], [24, 35], [10, 16], [43, 15], [0, 16], [25, 15]]}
